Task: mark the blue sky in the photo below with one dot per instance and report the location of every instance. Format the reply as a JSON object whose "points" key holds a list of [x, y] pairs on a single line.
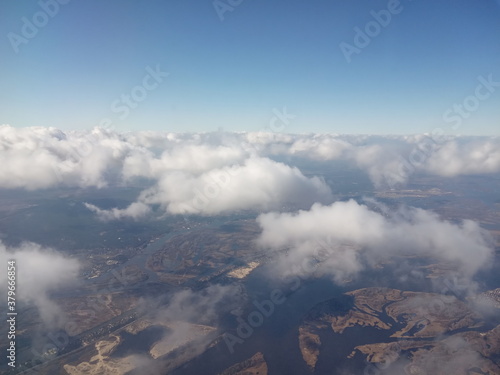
{"points": [[262, 57]]}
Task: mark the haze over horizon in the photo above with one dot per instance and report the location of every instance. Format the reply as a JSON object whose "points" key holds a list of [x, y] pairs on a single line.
{"points": [[379, 67]]}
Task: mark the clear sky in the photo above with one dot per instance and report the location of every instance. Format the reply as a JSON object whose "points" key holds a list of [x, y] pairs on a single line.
{"points": [[72, 69]]}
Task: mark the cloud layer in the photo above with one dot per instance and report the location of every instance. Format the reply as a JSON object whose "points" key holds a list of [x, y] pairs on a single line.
{"points": [[475, 157], [353, 235], [210, 173]]}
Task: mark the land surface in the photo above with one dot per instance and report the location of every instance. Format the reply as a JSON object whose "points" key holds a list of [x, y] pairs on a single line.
{"points": [[428, 332], [256, 365], [128, 262]]}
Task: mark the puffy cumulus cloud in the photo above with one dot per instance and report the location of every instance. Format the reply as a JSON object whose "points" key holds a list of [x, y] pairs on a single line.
{"points": [[442, 155], [37, 158], [469, 157], [390, 162], [39, 272], [310, 146], [134, 211], [353, 235], [267, 138], [258, 183], [384, 167], [320, 147], [25, 157], [194, 158], [383, 158]]}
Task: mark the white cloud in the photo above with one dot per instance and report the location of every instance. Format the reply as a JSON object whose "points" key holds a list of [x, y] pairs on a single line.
{"points": [[37, 158], [179, 166], [472, 157], [39, 271], [356, 234], [259, 183], [189, 158], [134, 211], [383, 166], [319, 147]]}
